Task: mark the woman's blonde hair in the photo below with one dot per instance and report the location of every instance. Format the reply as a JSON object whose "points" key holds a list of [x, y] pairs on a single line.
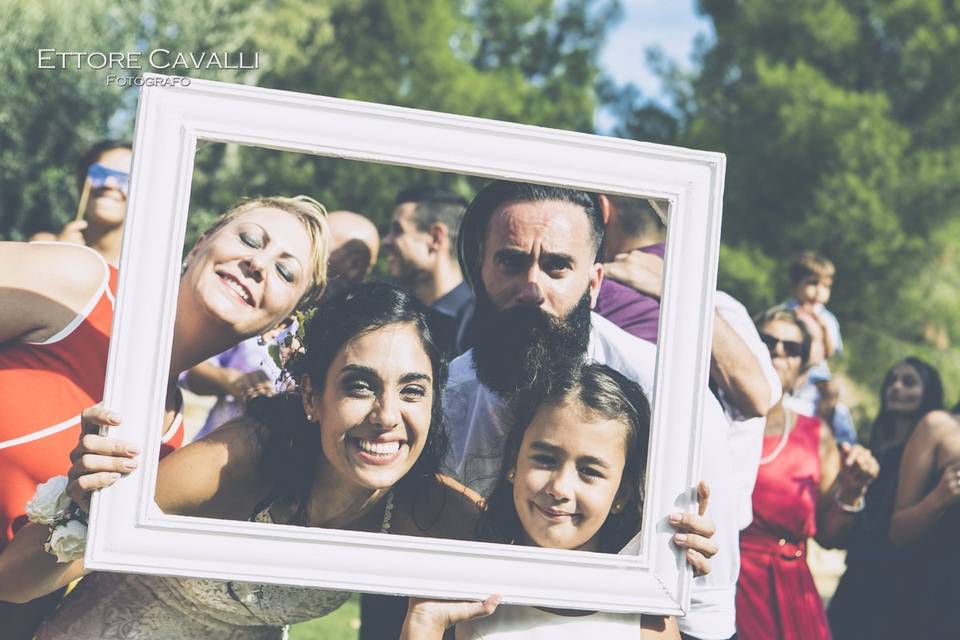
{"points": [[308, 211]]}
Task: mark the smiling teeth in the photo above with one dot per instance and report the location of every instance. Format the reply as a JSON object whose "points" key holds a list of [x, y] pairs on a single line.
{"points": [[233, 284], [379, 448]]}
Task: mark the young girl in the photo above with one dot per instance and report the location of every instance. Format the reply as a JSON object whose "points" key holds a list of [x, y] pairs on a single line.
{"points": [[572, 479]]}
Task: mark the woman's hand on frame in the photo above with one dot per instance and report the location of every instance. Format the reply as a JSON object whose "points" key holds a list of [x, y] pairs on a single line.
{"points": [[98, 461]]}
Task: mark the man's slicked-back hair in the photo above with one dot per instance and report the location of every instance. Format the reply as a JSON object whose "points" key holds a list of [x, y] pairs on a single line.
{"points": [[435, 205], [91, 155], [473, 229]]}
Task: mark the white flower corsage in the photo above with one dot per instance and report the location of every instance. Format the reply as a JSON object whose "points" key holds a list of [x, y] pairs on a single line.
{"points": [[67, 541], [49, 501], [51, 506]]}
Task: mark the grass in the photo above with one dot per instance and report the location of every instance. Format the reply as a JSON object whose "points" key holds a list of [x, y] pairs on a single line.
{"points": [[342, 624]]}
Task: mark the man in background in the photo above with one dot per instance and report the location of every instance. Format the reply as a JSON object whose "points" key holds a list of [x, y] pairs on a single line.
{"points": [[742, 377], [354, 246], [421, 250]]}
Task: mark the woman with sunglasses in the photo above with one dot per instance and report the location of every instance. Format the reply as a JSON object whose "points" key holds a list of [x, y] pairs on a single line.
{"points": [[882, 584], [102, 182], [805, 487], [257, 263]]}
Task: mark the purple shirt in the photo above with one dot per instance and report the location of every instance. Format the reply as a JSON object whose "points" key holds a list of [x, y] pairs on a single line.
{"points": [[632, 311]]}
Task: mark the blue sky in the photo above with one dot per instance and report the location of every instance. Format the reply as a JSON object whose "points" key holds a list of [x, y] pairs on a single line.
{"points": [[670, 25]]}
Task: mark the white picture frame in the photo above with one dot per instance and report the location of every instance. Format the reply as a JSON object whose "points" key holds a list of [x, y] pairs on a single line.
{"points": [[128, 533]]}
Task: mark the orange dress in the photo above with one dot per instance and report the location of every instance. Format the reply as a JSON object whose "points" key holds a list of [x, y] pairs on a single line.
{"points": [[776, 595], [43, 388]]}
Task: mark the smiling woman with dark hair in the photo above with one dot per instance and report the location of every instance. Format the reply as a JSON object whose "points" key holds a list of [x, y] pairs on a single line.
{"points": [[926, 520], [357, 447], [878, 595]]}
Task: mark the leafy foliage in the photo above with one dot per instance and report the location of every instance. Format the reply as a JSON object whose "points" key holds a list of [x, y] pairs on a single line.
{"points": [[518, 60], [838, 118], [47, 117]]}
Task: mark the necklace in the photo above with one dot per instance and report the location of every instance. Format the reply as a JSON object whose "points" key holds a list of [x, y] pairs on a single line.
{"points": [[387, 514], [787, 428]]}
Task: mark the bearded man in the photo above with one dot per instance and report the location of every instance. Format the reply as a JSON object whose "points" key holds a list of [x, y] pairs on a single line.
{"points": [[532, 255]]}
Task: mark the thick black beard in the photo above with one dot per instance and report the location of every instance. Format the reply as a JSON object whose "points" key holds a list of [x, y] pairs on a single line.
{"points": [[524, 349]]}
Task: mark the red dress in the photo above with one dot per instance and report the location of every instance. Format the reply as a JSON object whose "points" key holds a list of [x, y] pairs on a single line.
{"points": [[43, 388], [776, 596]]}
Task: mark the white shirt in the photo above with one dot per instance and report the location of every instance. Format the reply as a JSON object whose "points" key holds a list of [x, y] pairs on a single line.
{"points": [[529, 623], [478, 428], [746, 436]]}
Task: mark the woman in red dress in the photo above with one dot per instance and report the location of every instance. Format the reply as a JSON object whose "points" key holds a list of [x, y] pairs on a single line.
{"points": [[805, 487], [56, 311]]}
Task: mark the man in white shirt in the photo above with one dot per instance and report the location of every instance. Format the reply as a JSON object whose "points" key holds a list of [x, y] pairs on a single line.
{"points": [[531, 254], [741, 373], [746, 431]]}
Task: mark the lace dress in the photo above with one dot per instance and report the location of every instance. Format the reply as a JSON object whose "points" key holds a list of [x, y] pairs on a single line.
{"points": [[120, 606]]}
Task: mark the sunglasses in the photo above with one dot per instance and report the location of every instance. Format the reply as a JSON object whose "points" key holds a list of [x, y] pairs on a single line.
{"points": [[791, 348], [98, 175]]}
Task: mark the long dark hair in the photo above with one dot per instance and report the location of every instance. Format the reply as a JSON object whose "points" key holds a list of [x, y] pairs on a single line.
{"points": [[882, 431], [603, 392], [289, 443]]}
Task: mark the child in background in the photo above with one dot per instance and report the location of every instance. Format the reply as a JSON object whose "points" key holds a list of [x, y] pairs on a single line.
{"points": [[811, 281], [572, 479]]}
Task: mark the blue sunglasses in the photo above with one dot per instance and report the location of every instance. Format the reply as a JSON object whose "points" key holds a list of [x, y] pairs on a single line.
{"points": [[98, 175]]}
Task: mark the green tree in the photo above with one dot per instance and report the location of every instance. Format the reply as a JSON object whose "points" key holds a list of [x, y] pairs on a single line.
{"points": [[532, 61], [838, 121], [48, 117]]}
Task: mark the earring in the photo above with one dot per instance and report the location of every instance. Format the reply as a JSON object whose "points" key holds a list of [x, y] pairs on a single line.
{"points": [[617, 507], [511, 475], [309, 417]]}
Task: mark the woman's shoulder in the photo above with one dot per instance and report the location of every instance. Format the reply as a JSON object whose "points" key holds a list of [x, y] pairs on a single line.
{"points": [[934, 428], [50, 284], [938, 422], [241, 430], [217, 476], [234, 446], [62, 266], [439, 507]]}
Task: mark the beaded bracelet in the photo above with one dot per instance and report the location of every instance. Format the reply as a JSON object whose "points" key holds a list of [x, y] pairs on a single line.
{"points": [[856, 507]]}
